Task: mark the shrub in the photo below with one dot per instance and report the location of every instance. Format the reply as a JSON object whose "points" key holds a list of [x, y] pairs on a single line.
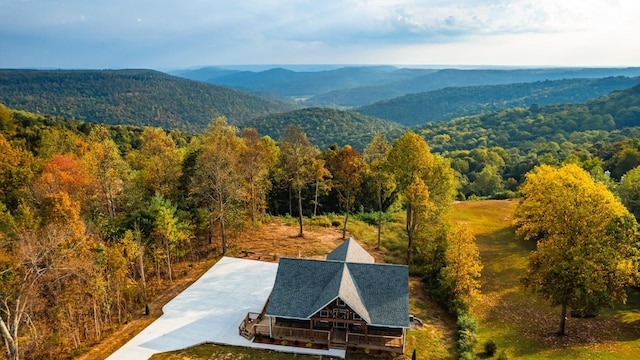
{"points": [[336, 223], [467, 327], [466, 321], [322, 221], [308, 345], [467, 355], [503, 356], [490, 347], [284, 343]]}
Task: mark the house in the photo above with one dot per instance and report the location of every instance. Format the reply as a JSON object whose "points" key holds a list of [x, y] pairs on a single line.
{"points": [[346, 300]]}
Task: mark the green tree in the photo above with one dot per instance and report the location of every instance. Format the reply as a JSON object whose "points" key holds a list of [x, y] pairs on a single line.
{"points": [[630, 191], [168, 228], [488, 181], [348, 168], [375, 156], [297, 163], [586, 240]]}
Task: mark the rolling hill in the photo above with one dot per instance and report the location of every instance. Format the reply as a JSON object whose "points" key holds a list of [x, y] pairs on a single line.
{"points": [[606, 119], [135, 97], [449, 103], [325, 127], [361, 96]]}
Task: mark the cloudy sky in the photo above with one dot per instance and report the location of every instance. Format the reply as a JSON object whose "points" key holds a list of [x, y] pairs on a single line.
{"points": [[168, 34]]}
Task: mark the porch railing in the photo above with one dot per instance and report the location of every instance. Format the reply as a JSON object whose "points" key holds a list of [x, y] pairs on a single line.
{"points": [[377, 342]]}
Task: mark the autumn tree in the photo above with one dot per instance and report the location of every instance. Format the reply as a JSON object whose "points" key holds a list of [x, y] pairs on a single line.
{"points": [[586, 240], [417, 172], [161, 163], [459, 278], [109, 170], [218, 176], [348, 169], [297, 163], [16, 173], [67, 173], [257, 160], [375, 155], [38, 248]]}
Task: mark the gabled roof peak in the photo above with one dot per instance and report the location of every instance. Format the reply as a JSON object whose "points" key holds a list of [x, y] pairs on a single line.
{"points": [[350, 251]]}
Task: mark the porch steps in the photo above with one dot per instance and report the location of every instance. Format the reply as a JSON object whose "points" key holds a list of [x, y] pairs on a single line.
{"points": [[339, 346]]}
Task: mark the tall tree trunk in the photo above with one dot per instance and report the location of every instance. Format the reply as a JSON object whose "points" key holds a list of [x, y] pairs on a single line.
{"points": [[410, 227], [379, 211], [141, 251], [169, 260], [344, 228], [253, 202], [300, 210], [223, 234], [315, 200], [290, 205], [223, 230], [563, 320], [9, 341]]}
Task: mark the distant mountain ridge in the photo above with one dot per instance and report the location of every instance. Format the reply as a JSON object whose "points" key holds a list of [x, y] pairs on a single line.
{"points": [[354, 86], [284, 82], [460, 78], [134, 97], [450, 103]]}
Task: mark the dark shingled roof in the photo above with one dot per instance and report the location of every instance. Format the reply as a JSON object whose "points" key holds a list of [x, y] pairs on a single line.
{"points": [[350, 251], [379, 293]]}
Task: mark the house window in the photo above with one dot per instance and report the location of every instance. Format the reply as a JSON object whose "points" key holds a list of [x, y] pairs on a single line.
{"points": [[324, 313], [341, 303], [356, 317]]}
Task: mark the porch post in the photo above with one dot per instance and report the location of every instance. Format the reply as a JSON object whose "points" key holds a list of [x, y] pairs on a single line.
{"points": [[270, 329], [404, 337]]}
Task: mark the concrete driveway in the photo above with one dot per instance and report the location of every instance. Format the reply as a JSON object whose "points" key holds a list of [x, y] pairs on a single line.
{"points": [[210, 311]]}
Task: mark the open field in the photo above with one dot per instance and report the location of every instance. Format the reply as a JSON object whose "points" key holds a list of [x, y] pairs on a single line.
{"points": [[523, 324]]}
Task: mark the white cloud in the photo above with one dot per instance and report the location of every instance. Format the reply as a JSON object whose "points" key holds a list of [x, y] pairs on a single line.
{"points": [[285, 31]]}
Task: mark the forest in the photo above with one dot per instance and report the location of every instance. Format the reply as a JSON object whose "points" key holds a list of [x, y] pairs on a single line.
{"points": [[130, 97], [454, 102], [94, 216]]}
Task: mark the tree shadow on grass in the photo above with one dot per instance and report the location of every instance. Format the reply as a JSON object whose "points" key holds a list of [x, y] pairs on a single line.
{"points": [[527, 323]]}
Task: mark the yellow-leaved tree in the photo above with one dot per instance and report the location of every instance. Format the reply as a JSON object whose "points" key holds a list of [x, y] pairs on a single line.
{"points": [[587, 248]]}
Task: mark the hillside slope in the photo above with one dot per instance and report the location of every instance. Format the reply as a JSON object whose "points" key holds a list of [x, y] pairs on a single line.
{"points": [[325, 127], [136, 97], [605, 119], [449, 103]]}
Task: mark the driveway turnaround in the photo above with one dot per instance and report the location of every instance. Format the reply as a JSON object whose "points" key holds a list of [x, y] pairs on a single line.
{"points": [[210, 311]]}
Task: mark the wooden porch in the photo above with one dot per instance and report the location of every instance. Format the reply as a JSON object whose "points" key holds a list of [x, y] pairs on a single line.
{"points": [[337, 338]]}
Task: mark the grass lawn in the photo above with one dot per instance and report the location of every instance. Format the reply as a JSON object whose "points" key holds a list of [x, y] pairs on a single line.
{"points": [[210, 351], [523, 324]]}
